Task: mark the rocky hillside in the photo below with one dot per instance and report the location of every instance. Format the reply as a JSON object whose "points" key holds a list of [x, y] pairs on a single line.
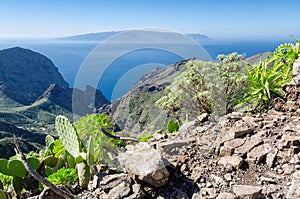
{"points": [[136, 113], [25, 74], [242, 156], [32, 94]]}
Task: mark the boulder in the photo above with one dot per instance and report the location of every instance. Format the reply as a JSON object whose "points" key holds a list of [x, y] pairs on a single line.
{"points": [[294, 190], [225, 195], [144, 163], [229, 146], [248, 145], [247, 191], [257, 154], [235, 161]]}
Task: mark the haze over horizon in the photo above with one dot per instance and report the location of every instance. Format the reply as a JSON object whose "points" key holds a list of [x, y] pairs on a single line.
{"points": [[217, 19]]}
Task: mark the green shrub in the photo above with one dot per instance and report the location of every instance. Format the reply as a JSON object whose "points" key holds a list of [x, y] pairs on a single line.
{"points": [[145, 137], [91, 126], [64, 176], [173, 126], [205, 87], [6, 181], [267, 79]]}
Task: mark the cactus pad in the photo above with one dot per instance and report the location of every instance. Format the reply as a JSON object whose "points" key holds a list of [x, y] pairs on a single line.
{"points": [[68, 135], [84, 174], [3, 167], [16, 168], [34, 162]]}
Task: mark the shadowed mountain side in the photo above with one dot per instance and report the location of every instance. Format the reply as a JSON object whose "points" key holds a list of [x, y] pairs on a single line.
{"points": [[29, 141], [25, 74], [84, 98]]}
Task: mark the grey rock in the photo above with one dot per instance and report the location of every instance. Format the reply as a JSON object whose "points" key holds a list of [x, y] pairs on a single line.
{"points": [[248, 145], [240, 131], [289, 140], [229, 146], [218, 180], [296, 73], [267, 179], [208, 193], [173, 147], [257, 154], [145, 163], [271, 157], [228, 177], [110, 181], [247, 191], [137, 192], [288, 168], [235, 161], [188, 127], [295, 159], [225, 195], [120, 191], [196, 174], [294, 190]]}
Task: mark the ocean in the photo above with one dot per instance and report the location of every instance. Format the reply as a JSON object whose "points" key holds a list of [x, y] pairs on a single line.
{"points": [[126, 69]]}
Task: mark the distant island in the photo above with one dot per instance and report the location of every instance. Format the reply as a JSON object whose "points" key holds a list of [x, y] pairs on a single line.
{"points": [[100, 36]]}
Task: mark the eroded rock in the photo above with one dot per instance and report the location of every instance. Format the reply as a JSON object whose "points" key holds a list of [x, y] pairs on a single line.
{"points": [[235, 161], [247, 191], [144, 163]]}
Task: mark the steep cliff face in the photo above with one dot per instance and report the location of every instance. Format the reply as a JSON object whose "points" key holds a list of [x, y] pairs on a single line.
{"points": [[25, 74]]}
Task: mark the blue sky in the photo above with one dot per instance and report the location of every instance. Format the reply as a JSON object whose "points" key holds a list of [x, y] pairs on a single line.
{"points": [[215, 18]]}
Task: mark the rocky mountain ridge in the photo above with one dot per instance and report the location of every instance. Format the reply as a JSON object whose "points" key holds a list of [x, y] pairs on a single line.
{"points": [[100, 36]]}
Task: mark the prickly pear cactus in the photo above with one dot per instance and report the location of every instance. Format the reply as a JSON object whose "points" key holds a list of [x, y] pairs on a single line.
{"points": [[68, 135], [84, 175], [16, 168], [3, 167], [90, 151]]}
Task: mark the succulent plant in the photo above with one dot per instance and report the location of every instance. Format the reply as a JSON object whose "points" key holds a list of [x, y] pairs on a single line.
{"points": [[68, 135], [16, 169], [70, 139]]}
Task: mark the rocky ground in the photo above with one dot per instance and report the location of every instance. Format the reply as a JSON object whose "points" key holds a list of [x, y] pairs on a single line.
{"points": [[240, 156], [250, 156]]}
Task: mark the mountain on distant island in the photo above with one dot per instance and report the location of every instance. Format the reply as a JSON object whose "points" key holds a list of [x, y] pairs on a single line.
{"points": [[101, 36]]}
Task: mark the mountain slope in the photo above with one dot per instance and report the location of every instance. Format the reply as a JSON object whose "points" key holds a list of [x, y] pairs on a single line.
{"points": [[136, 113], [32, 94], [25, 74]]}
